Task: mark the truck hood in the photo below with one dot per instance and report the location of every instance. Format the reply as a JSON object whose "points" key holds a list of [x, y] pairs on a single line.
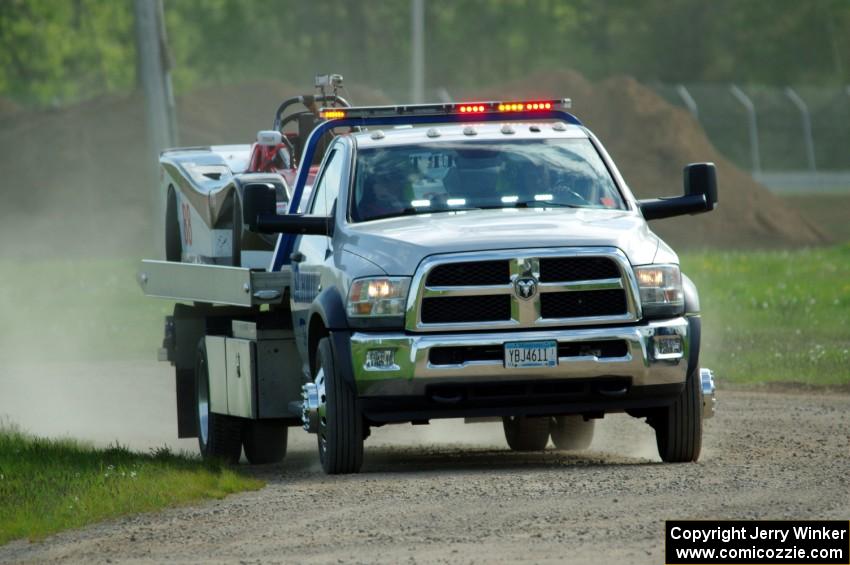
{"points": [[398, 245]]}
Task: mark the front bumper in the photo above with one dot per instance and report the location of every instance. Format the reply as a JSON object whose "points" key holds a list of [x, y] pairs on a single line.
{"points": [[413, 374]]}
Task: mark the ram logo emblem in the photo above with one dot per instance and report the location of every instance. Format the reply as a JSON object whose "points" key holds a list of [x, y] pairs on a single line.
{"points": [[525, 288]]}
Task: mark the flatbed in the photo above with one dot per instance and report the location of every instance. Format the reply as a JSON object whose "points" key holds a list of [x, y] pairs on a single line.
{"points": [[219, 285]]}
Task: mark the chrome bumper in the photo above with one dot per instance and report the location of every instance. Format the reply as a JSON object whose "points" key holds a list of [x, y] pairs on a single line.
{"points": [[412, 371]]}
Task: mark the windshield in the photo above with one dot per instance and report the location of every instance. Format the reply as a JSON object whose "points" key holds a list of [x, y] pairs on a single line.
{"points": [[442, 177]]}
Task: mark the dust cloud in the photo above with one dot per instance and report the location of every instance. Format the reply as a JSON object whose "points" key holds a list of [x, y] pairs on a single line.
{"points": [[74, 364], [618, 434]]}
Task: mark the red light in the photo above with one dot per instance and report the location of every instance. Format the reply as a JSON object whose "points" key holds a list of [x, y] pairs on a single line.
{"points": [[548, 105]]}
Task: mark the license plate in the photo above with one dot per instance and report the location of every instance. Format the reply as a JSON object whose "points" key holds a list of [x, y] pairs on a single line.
{"points": [[526, 354]]}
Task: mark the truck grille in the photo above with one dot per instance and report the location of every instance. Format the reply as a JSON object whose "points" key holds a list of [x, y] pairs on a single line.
{"points": [[577, 269], [462, 309], [583, 303], [470, 274], [523, 289]]}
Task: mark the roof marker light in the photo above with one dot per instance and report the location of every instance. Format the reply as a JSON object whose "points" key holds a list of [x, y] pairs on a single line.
{"points": [[332, 114]]}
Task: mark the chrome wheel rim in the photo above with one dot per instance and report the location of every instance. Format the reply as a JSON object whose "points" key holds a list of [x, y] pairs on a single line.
{"points": [[322, 412]]}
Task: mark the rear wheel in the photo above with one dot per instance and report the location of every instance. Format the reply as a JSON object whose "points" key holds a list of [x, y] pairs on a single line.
{"points": [[340, 434], [265, 441], [526, 433], [678, 428], [219, 436], [572, 433]]}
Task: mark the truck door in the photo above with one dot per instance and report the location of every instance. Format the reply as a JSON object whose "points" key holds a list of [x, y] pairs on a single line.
{"points": [[312, 256]]}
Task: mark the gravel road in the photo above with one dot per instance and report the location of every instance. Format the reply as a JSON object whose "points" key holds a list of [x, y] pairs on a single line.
{"points": [[453, 493]]}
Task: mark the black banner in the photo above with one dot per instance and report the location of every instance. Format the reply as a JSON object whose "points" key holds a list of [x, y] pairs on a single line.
{"points": [[767, 542]]}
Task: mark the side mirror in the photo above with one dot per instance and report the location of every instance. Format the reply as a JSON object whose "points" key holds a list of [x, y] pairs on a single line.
{"points": [[700, 181], [258, 199], [260, 215]]}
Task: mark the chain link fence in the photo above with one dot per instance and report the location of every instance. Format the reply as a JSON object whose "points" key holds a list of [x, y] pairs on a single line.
{"points": [[793, 139]]}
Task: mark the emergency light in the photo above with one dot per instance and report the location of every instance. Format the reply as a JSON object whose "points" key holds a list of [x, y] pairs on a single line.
{"points": [[461, 108]]}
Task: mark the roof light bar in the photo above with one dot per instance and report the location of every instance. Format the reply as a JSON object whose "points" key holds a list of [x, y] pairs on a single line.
{"points": [[463, 108]]}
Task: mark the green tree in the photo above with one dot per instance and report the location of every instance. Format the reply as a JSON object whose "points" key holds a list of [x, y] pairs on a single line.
{"points": [[55, 51]]}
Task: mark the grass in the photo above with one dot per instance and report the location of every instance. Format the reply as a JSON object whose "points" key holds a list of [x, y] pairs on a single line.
{"points": [[768, 316], [775, 316], [52, 485]]}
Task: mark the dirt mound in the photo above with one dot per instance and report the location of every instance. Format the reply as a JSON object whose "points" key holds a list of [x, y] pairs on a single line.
{"points": [[78, 180], [651, 140]]}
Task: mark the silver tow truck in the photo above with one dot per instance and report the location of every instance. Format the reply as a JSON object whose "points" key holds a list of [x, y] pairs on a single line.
{"points": [[483, 261]]}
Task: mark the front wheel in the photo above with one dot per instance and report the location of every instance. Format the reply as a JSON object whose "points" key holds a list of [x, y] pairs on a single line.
{"points": [[572, 433], [340, 433], [526, 433], [219, 435], [678, 428]]}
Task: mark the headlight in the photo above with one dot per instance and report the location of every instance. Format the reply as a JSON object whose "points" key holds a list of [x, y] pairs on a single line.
{"points": [[661, 292], [377, 297]]}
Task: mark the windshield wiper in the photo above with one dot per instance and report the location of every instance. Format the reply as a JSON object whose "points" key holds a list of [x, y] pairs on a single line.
{"points": [[506, 205], [417, 211], [544, 204]]}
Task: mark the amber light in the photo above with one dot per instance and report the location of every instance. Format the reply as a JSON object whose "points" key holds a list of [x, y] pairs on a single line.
{"points": [[472, 109], [524, 106], [332, 114]]}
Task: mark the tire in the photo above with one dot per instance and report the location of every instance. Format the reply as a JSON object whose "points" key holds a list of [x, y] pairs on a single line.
{"points": [[340, 434], [236, 234], [265, 441], [526, 433], [173, 242], [219, 436], [572, 433], [678, 428]]}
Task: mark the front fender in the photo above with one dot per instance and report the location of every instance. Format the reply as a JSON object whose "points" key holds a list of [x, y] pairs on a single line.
{"points": [[327, 318], [330, 307]]}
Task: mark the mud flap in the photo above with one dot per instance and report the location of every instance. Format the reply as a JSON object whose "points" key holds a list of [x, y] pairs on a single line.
{"points": [[187, 425]]}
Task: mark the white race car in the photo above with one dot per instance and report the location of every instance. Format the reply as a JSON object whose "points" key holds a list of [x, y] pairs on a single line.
{"points": [[203, 186]]}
